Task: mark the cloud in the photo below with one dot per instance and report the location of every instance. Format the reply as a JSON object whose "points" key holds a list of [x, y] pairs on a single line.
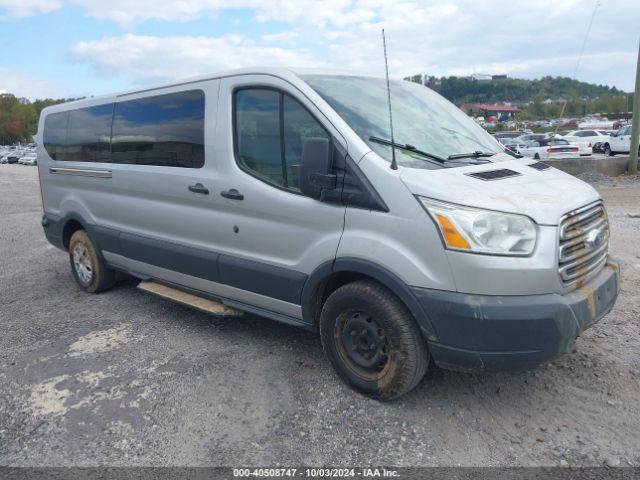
{"points": [[128, 13], [526, 38], [22, 84], [285, 36], [28, 8], [147, 58]]}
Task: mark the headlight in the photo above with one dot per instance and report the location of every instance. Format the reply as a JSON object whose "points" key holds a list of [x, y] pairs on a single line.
{"points": [[482, 231]]}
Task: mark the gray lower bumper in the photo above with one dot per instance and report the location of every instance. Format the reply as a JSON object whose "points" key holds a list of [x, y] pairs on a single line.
{"points": [[481, 332]]}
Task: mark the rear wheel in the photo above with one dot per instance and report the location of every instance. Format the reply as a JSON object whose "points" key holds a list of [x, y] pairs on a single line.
{"points": [[372, 340], [536, 156], [88, 269]]}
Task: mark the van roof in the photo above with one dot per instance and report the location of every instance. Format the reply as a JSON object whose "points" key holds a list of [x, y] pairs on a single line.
{"points": [[281, 72]]}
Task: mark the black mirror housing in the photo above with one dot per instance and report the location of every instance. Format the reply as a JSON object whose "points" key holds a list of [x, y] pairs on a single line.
{"points": [[315, 168]]}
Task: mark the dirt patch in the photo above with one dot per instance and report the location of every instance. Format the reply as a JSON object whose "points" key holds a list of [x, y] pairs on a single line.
{"points": [[102, 341], [48, 399]]}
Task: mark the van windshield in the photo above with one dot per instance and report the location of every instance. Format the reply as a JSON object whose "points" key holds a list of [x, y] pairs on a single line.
{"points": [[421, 118]]}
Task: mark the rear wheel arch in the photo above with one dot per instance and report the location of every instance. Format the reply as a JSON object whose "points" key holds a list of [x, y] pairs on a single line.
{"points": [[332, 275], [71, 224]]}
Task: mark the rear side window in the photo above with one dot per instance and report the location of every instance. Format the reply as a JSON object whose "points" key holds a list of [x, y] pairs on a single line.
{"points": [[54, 136], [88, 134], [270, 130], [165, 130]]}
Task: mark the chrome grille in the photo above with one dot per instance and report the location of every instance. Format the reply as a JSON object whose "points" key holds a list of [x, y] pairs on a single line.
{"points": [[584, 243]]}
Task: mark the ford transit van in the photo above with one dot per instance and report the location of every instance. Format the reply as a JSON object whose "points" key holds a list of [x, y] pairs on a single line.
{"points": [[280, 193]]}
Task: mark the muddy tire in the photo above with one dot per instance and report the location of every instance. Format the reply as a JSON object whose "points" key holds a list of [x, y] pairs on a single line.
{"points": [[372, 340], [87, 267]]}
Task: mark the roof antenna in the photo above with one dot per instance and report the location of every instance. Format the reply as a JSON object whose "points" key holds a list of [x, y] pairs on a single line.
{"points": [[394, 164]]}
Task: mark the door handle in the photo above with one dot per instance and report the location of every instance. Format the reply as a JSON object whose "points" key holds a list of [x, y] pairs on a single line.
{"points": [[199, 188], [233, 194]]}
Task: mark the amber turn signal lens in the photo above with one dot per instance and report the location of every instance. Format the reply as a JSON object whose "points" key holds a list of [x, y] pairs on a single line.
{"points": [[452, 237]]}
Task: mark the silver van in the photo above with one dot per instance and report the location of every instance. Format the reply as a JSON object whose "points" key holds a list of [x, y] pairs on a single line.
{"points": [[280, 193]]}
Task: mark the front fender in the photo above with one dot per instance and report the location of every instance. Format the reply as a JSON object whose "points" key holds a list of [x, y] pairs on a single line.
{"points": [[371, 270]]}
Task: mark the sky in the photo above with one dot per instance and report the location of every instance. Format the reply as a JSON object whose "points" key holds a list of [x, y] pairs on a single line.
{"points": [[72, 48]]}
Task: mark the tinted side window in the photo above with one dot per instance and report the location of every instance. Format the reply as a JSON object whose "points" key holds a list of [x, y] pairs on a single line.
{"points": [[165, 130], [299, 126], [54, 137], [258, 133], [270, 130], [88, 134]]}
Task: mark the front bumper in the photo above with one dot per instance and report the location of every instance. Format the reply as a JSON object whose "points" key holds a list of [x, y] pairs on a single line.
{"points": [[490, 332]]}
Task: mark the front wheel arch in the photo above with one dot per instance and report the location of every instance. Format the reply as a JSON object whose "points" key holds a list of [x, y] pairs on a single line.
{"points": [[346, 269]]}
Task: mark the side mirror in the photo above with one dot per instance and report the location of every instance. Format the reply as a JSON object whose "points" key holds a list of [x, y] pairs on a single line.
{"points": [[315, 168]]}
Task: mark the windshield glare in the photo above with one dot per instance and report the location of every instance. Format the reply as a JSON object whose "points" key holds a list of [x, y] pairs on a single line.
{"points": [[421, 118]]}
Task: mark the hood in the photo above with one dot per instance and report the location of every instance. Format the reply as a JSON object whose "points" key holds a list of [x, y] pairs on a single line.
{"points": [[542, 195]]}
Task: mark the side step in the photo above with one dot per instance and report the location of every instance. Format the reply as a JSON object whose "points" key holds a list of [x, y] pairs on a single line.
{"points": [[199, 303]]}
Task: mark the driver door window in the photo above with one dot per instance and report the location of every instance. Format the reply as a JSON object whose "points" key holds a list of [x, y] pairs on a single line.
{"points": [[270, 130]]}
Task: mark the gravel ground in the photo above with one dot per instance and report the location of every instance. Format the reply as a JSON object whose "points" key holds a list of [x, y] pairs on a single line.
{"points": [[125, 378]]}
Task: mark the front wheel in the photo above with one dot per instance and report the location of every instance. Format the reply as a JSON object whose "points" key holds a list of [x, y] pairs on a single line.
{"points": [[372, 340], [607, 150], [88, 269]]}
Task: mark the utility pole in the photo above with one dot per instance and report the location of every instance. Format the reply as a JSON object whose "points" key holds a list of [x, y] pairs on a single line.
{"points": [[635, 126]]}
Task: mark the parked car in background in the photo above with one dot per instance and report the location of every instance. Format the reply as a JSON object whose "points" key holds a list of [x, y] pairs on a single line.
{"points": [[619, 142], [587, 137], [537, 137], [562, 133], [599, 147], [547, 148], [29, 159], [513, 144], [14, 157], [510, 134]]}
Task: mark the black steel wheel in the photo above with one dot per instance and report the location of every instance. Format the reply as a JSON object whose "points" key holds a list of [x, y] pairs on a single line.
{"points": [[363, 344], [372, 340]]}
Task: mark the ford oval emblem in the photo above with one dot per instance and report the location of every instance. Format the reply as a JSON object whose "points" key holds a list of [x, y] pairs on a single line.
{"points": [[594, 238]]}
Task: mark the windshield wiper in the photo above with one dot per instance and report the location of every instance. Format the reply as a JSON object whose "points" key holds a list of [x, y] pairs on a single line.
{"points": [[410, 148], [476, 154]]}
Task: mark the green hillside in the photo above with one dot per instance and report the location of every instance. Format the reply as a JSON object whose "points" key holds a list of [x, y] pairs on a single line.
{"points": [[540, 98]]}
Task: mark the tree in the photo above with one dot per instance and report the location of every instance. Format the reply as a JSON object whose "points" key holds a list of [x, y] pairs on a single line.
{"points": [[19, 117]]}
